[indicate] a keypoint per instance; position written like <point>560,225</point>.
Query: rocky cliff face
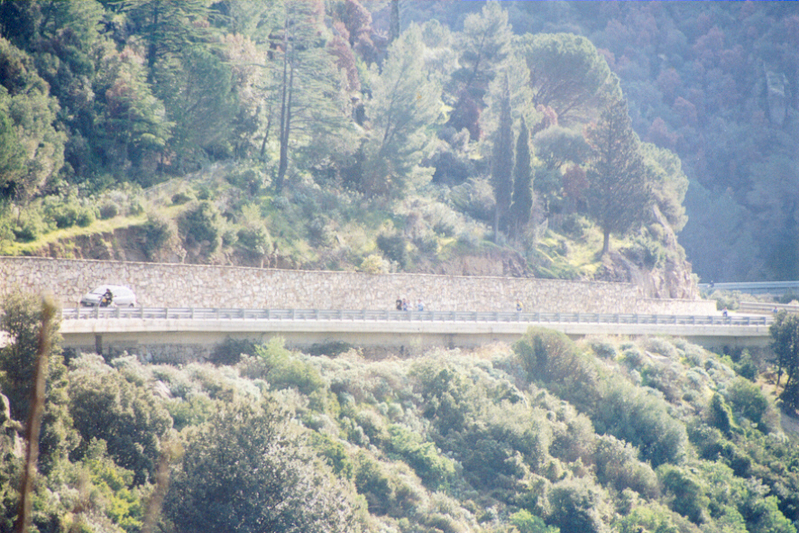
<point>673,280</point>
<point>667,277</point>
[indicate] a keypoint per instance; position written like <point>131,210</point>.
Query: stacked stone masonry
<point>181,285</point>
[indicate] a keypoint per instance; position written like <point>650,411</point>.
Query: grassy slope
<point>315,228</point>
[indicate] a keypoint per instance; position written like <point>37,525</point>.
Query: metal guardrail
<point>753,287</point>
<point>766,308</point>
<point>172,313</point>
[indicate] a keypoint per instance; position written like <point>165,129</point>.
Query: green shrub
<point>629,414</point>
<point>106,405</point>
<point>85,218</point>
<point>201,225</point>
<point>229,352</point>
<point>156,233</point>
<point>575,505</point>
<point>29,229</point>
<point>719,414</point>
<point>663,347</point>
<point>335,454</point>
<point>729,300</point>
<point>546,354</point>
<point>645,252</point>
<point>525,522</point>
<point>249,181</point>
<point>434,469</point>
<point>374,264</point>
<point>632,357</point>
<point>603,348</point>
<point>652,517</point>
<point>474,198</point>
<point>746,367</point>
<point>192,411</point>
<point>374,484</point>
<point>330,349</point>
<point>109,209</point>
<point>255,240</point>
<point>688,491</point>
<point>283,369</point>
<point>747,399</point>
<point>394,247</point>
<point>575,225</point>
<point>617,465</point>
<point>181,198</point>
<point>66,215</point>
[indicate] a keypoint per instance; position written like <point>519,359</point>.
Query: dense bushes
<point>492,440</point>
<point>105,404</point>
<point>247,470</point>
<point>200,226</point>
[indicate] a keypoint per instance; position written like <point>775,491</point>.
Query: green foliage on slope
<point>320,122</point>
<point>546,435</point>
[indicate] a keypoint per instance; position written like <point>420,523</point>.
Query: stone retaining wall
<point>181,285</point>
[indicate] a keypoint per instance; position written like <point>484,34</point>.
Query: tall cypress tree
<point>522,203</point>
<point>502,163</point>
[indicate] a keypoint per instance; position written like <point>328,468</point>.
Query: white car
<point>122,296</point>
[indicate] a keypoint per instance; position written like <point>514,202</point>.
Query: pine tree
<point>484,46</point>
<point>404,108</point>
<point>522,203</point>
<point>785,345</point>
<point>567,74</point>
<point>618,190</point>
<point>394,25</point>
<point>502,163</point>
<point>308,89</point>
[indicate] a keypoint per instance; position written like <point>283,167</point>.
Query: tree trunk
<point>266,135</point>
<point>33,427</point>
<point>281,172</point>
<point>394,24</point>
<point>605,241</point>
<point>284,137</point>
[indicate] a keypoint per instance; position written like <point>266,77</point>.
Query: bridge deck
<point>134,328</point>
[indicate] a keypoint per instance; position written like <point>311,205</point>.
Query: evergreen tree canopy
<point>502,163</point>
<point>567,74</point>
<point>522,204</point>
<point>618,190</point>
<point>404,108</point>
<point>246,471</point>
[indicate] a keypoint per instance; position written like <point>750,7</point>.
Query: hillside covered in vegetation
<point>546,435</point>
<point>329,135</point>
<point>406,132</point>
<point>554,139</point>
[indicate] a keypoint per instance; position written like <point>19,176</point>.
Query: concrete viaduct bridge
<point>183,334</point>
<point>209,303</point>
